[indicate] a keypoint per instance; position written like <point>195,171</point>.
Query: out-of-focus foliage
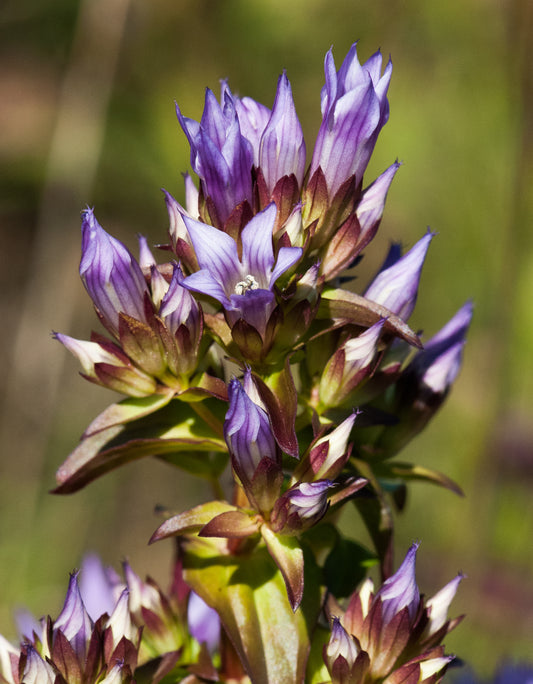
<point>87,92</point>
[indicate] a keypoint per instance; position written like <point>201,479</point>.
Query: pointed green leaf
<point>288,556</point>
<point>164,433</point>
<point>127,410</point>
<point>236,523</point>
<point>408,471</point>
<point>249,594</point>
<point>191,521</point>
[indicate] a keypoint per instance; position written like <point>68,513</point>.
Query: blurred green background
<point>87,117</point>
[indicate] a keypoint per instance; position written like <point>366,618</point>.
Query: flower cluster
<point>109,631</point>
<point>244,353</point>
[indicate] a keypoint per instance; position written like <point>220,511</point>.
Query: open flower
<point>244,286</point>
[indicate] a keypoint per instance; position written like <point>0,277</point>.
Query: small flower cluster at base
<point>393,635</point>
<point>139,623</point>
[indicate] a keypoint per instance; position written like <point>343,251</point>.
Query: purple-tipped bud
<point>438,364</point>
<point>396,287</point>
<point>438,605</point>
<point>340,645</point>
<point>354,110</point>
<point>120,621</point>
<point>88,353</point>
<point>203,621</point>
<point>301,507</point>
<point>372,203</point>
<point>349,365</point>
<point>328,455</point>
<point>74,621</point>
<point>220,154</point>
<point>401,590</point>
<point>282,146</point>
<point>179,307</point>
<point>248,434</point>
<point>111,275</point>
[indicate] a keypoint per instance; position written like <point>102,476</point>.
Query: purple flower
<point>372,203</point>
<point>74,621</point>
<point>220,155</point>
<point>100,587</point>
<point>243,286</point>
<point>340,645</point>
<point>349,365</point>
<point>438,364</point>
<point>248,434</point>
<point>203,621</point>
<point>301,507</point>
<point>111,275</point>
<point>282,146</point>
<point>396,286</point>
<point>354,109</point>
<point>401,590</point>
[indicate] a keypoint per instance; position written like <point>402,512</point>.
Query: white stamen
<point>249,283</point>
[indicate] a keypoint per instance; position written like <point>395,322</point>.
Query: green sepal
<point>288,556</point>
<point>248,592</point>
<point>165,433</point>
<point>339,304</point>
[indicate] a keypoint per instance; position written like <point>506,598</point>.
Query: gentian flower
<point>301,507</point>
<point>248,433</point>
<point>371,205</point>
<point>400,590</point>
<point>438,364</point>
<point>203,621</point>
<point>354,109</point>
<point>220,155</point>
<point>243,286</point>
<point>282,146</point>
<point>111,275</point>
<point>74,621</point>
<point>349,365</point>
<point>396,286</point>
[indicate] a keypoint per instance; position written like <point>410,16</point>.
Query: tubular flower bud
<point>340,645</point>
<point>74,621</point>
<point>438,364</point>
<point>400,591</point>
<point>111,275</point>
<point>371,205</point>
<point>249,437</point>
<point>220,154</point>
<point>328,455</point>
<point>282,146</point>
<point>349,366</point>
<point>354,110</point>
<point>396,286</point>
<point>301,507</point>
